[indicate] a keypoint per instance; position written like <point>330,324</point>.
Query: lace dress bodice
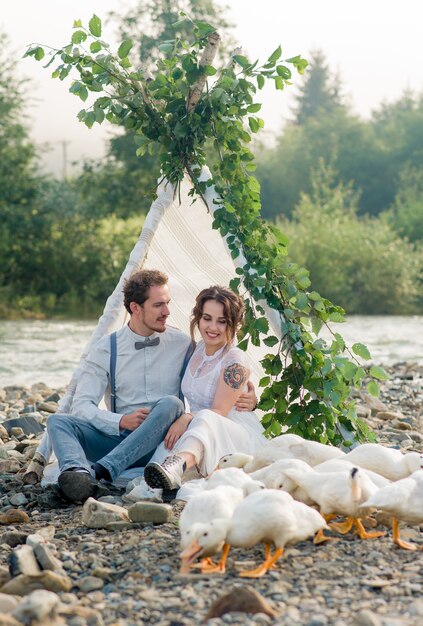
<point>202,374</point>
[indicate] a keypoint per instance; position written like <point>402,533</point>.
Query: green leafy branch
<point>188,105</point>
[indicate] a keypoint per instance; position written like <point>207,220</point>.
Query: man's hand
<point>247,401</point>
<point>176,431</point>
<point>133,420</point>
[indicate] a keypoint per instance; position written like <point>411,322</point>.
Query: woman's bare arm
<point>229,387</point>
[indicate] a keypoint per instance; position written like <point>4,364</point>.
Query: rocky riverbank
<point>128,574</point>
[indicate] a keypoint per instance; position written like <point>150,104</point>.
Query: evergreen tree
<point>319,91</point>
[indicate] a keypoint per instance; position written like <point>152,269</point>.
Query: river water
<point>47,351</point>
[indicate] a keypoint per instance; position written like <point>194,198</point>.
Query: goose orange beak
<point>189,555</point>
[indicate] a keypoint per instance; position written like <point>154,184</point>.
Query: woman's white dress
<point>239,431</point>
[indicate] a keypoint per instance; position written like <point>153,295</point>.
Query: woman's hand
<point>177,429</point>
<point>247,401</point>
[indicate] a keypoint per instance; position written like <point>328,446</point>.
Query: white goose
<point>270,517</point>
<point>208,505</point>
<point>339,493</point>
<point>404,501</point>
<point>342,465</point>
<point>234,477</point>
<point>283,447</point>
<point>388,462</point>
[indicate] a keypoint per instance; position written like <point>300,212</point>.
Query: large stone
<point>374,404</point>
<point>13,538</point>
<point>22,585</point>
<point>389,415</point>
<point>240,599</point>
<point>4,575</point>
<point>28,424</point>
<point>38,606</point>
<point>49,407</point>
<point>8,620</point>
<point>366,618</point>
<point>87,616</point>
<point>90,583</point>
<point>14,516</point>
<point>22,561</point>
<point>11,466</point>
<point>46,558</point>
<point>99,514</point>
<point>18,499</point>
<point>150,512</point>
<point>8,603</point>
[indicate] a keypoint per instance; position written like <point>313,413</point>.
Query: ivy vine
<point>188,105</point>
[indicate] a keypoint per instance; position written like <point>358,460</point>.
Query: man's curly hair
<point>137,286</point>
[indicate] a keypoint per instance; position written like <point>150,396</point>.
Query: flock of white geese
<point>290,490</point>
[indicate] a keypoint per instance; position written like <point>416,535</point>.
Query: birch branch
<point>207,58</point>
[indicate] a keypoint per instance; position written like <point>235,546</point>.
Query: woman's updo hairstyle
<point>233,309</point>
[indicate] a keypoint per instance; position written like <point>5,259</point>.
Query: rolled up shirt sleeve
<point>91,388</point>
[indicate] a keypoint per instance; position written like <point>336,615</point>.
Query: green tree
<point>152,26</point>
<point>319,92</point>
<point>406,214</point>
<point>361,263</point>
<point>20,225</point>
<point>340,139</point>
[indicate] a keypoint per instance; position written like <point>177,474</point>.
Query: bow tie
<point>139,345</point>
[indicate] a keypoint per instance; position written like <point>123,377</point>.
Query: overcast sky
<point>375,45</point>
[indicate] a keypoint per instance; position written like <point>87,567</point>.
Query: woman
<point>214,379</point>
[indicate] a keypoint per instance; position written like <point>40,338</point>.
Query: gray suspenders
<point>113,353</point>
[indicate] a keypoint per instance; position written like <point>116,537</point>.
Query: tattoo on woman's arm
<point>235,375</point>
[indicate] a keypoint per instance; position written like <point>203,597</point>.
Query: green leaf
<point>95,46</point>
<point>361,350</point>
<point>378,372</point>
<point>301,301</point>
<point>276,428</point>
<point>89,119</point>
<point>284,72</point>
<point>243,345</point>
<point>279,84</point>
<point>336,317</point>
<point>260,81</point>
<point>78,36</point>
<point>349,370</point>
<point>125,48</point>
<point>373,389</point>
<point>271,341</point>
<point>253,124</point>
<point>275,56</point>
<point>39,53</point>
<point>262,325</point>
<point>77,24</point>
<point>254,108</point>
<point>83,94</point>
<point>209,70</point>
<point>241,60</point>
<point>263,382</point>
<point>95,26</point>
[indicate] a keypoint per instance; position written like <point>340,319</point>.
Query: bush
<point>361,264</point>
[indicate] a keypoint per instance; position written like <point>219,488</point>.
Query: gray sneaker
<point>166,475</point>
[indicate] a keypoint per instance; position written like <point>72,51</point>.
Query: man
<point>94,444</point>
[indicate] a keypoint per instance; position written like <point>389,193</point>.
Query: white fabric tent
<point>177,238</point>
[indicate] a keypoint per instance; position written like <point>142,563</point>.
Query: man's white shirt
<point>142,376</point>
